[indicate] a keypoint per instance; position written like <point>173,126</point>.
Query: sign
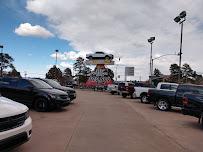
<point>96,62</point>
<point>129,71</point>
<point>100,76</point>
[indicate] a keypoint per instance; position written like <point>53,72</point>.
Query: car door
<point>180,93</point>
<point>25,92</point>
<point>8,88</point>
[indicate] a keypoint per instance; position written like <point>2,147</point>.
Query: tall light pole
<point>1,46</point>
<point>56,57</point>
<point>180,19</point>
<point>117,68</point>
<point>151,40</point>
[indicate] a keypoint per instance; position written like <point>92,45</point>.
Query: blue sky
<point>31,54</point>
<point>32,29</point>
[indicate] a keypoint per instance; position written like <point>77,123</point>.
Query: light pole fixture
<point>159,58</point>
<point>180,19</point>
<point>1,46</point>
<point>151,40</point>
<point>56,51</point>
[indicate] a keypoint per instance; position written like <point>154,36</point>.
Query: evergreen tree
<point>174,72</point>
<point>55,73</point>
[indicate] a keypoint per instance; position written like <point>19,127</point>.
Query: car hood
<point>54,91</point>
<point>65,88</point>
<point>10,108</point>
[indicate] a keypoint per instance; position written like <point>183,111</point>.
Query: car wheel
<point>124,95</point>
<point>163,105</point>
<point>112,93</point>
<point>107,58</point>
<point>201,120</point>
<point>41,105</point>
<point>144,99</point>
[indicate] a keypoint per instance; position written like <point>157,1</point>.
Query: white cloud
<point>71,55</point>
<point>123,27</point>
<point>66,65</point>
<point>26,29</point>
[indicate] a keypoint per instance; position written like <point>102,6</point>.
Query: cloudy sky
<point>32,29</point>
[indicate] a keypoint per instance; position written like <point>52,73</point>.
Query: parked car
<point>193,103</point>
<point>164,99</point>
<point>15,124</point>
<point>127,89</point>
<point>99,55</point>
<point>141,92</point>
<point>70,91</point>
<point>113,88</point>
<point>33,93</point>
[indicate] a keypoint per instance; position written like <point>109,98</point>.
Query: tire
<point>124,95</point>
<point>201,120</point>
<point>41,105</point>
<point>112,93</point>
<point>163,105</point>
<point>143,98</point>
<point>107,58</point>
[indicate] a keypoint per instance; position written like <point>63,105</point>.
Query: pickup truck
<point>164,99</point>
<point>193,104</point>
<point>112,88</point>
<point>127,89</point>
<point>142,91</point>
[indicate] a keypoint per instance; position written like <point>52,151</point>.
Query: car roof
<point>168,83</point>
<point>189,84</point>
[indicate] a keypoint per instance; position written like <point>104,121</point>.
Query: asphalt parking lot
<point>99,122</point>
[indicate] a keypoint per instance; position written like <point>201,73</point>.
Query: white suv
<point>15,124</point>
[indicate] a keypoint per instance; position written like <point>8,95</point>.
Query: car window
<point>23,84</point>
<point>197,89</point>
<point>52,83</point>
<point>9,82</point>
<point>40,84</point>
<point>131,84</point>
<point>186,89</point>
<point>165,86</point>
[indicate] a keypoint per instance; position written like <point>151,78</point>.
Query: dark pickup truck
<point>193,104</point>
<point>164,99</point>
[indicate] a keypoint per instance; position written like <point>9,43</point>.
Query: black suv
<point>33,93</point>
<point>71,92</point>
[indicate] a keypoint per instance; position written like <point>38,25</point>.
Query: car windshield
<point>40,84</point>
<point>197,89</point>
<point>52,83</point>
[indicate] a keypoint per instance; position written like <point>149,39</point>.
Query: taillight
<point>185,101</point>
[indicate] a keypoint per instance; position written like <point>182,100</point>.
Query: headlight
<point>53,96</point>
<point>56,97</point>
<point>27,114</point>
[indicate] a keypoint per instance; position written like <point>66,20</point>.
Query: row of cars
<point>19,94</point>
<point>188,97</point>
